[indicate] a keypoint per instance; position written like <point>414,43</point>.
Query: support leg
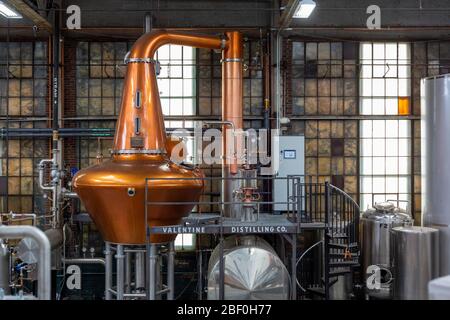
<point>171,271</point>
<point>120,258</point>
<point>108,270</point>
<point>152,272</point>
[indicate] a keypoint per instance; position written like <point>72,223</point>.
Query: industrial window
<point>23,93</point>
<point>177,88</point>
<point>385,138</point>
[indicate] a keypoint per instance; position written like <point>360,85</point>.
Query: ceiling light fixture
<point>8,12</point>
<point>304,9</point>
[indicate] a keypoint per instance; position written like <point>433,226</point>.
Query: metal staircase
<point>338,250</point>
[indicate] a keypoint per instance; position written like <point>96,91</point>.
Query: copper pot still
<point>113,191</point>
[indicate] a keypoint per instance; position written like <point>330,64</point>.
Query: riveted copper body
<point>113,191</point>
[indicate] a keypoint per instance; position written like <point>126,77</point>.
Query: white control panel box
<point>291,162</point>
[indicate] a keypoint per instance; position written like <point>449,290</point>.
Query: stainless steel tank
<point>253,271</point>
<point>377,223</point>
<point>435,97</point>
<point>415,261</point>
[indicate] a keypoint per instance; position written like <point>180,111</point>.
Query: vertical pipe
<point>232,64</point>
<point>108,271</point>
<point>221,270</point>
<point>148,22</point>
<point>120,272</point>
<point>152,272</point>
<point>55,80</point>
<point>127,272</point>
<point>200,274</point>
<point>294,267</point>
<point>140,270</point>
<point>171,271</point>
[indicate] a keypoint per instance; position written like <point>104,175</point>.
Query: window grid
<point>385,145</point>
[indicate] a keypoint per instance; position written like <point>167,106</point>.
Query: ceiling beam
<point>288,13</point>
<point>29,13</point>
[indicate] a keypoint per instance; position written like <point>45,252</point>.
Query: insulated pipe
<point>100,261</point>
<point>44,269</point>
<point>140,270</point>
<point>120,281</point>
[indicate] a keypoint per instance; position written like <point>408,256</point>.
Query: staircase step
<point>342,246</point>
<point>341,255</point>
<point>334,264</point>
<point>337,273</point>
<point>337,235</point>
<point>317,290</point>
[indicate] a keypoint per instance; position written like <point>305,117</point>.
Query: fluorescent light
<point>8,12</point>
<point>304,9</point>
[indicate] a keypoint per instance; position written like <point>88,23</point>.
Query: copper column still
<point>113,191</point>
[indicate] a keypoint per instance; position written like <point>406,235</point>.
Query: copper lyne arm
<point>146,45</point>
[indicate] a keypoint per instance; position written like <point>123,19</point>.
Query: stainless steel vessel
<point>377,223</point>
<point>435,96</point>
<point>415,261</point>
<point>253,271</point>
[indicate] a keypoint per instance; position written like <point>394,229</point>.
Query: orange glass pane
<point>403,106</point>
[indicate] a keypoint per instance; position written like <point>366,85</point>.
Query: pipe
<point>108,270</point>
<point>140,270</point>
<point>152,272</point>
<point>120,257</point>
<point>55,80</point>
<point>44,270</point>
<point>100,261</point>
<point>232,64</point>
<point>127,272</point>
<point>171,271</point>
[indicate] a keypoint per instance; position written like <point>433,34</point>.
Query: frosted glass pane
<point>379,128</point>
<point>188,53</point>
<point>366,185</point>
<point>176,87</point>
<point>404,147</point>
<point>403,51</point>
<point>379,147</point>
<point>175,52</point>
<point>391,51</point>
<point>379,166</point>
<point>378,185</point>
<point>163,53</point>
<point>391,165</point>
<point>366,87</point>
<point>366,71</point>
<point>391,147</point>
<point>391,87</point>
<point>404,69</point>
<point>175,71</point>
<point>165,106</point>
<point>392,106</point>
<point>403,88</point>
<point>366,50</point>
<point>366,127</point>
<point>391,69</point>
<point>403,185</point>
<point>366,165</point>
<point>366,147</point>
<point>379,69</point>
<point>403,165</point>
<point>378,106</point>
<point>188,88</point>
<point>176,107</point>
<point>377,198</point>
<point>366,202</point>
<point>164,87</point>
<point>391,184</point>
<point>403,130</point>
<point>391,128</point>
<point>378,51</point>
<point>378,88</point>
<point>366,106</point>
